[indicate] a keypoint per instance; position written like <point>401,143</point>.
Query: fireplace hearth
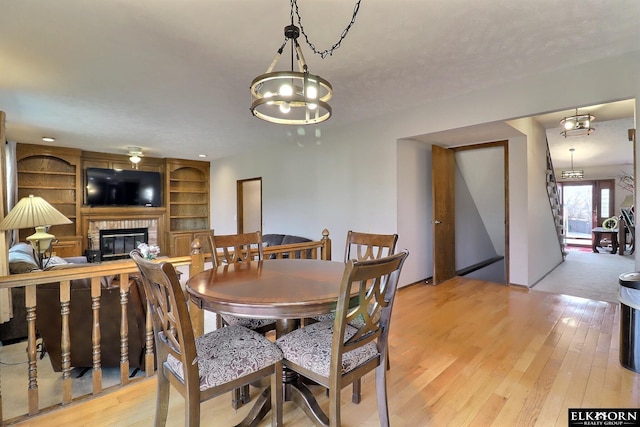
<point>117,243</point>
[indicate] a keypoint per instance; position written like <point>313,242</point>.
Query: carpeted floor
<point>588,275</point>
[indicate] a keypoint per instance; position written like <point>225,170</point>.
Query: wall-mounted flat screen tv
<point>111,187</point>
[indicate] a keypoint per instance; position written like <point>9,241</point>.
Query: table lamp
<point>35,212</point>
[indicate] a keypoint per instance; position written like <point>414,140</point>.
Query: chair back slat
<point>232,248</point>
<point>366,246</point>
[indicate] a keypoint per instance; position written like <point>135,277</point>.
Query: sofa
<point>49,319</point>
<point>283,239</point>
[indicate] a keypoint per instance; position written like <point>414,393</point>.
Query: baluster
<point>124,329</point>
<point>30,304</point>
<point>96,353</point>
<point>326,248</point>
<point>65,344</point>
<point>149,362</point>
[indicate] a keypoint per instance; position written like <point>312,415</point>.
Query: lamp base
<point>41,241</point>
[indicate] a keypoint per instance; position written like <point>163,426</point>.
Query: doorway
<point>249,194</point>
<point>471,220</point>
<point>586,205</point>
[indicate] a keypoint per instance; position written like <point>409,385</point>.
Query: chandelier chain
<point>327,52</point>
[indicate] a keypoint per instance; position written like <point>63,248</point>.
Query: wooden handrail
<point>94,272</point>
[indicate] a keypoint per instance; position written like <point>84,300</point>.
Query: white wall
<point>415,231</point>
<point>350,181</point>
<point>518,212</point>
<point>346,183</point>
<point>483,173</point>
<point>473,243</point>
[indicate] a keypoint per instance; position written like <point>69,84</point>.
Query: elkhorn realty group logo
<point>604,417</point>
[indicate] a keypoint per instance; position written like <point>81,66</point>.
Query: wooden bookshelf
<point>53,174</point>
<point>57,174</point>
<point>187,198</point>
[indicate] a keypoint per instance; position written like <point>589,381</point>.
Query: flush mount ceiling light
<point>572,174</point>
<point>294,97</point>
<point>577,125</point>
<point>135,154</point>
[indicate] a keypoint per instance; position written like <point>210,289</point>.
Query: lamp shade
<point>30,212</point>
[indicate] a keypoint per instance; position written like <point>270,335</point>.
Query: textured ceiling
<point>173,76</point>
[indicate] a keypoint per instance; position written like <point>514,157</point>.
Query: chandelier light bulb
<point>568,125</point>
<point>269,95</point>
<point>286,90</point>
<point>312,92</point>
<point>285,107</point>
<point>312,106</point>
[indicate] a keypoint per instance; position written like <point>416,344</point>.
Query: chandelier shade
<point>577,125</point>
<point>291,97</point>
<point>295,97</point>
<point>572,173</point>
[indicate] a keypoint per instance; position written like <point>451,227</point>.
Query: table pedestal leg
<point>302,396</point>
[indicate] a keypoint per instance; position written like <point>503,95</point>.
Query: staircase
<point>555,202</point>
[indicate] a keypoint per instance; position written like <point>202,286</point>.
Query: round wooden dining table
<point>283,289</point>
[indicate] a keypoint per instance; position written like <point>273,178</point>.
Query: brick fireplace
<point>95,227</point>
<point>99,219</point>
<point>118,243</point>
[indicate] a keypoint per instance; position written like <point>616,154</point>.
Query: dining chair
<point>336,353</point>
<point>231,248</point>
<point>207,366</point>
<point>363,247</point>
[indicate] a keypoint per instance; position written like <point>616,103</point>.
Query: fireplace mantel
<point>126,214</point>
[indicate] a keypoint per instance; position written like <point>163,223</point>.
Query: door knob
<point>437,222</point>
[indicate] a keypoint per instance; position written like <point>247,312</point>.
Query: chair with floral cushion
<point>363,247</point>
<point>337,353</point>
<point>207,366</point>
<point>228,249</point>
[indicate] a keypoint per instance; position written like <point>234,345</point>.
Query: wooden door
<point>443,200</point>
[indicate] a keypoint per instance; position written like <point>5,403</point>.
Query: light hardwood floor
<point>465,353</point>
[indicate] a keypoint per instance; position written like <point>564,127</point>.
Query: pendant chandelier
<point>572,174</point>
<point>294,97</point>
<point>577,125</point>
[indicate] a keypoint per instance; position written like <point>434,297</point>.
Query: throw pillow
<point>21,259</point>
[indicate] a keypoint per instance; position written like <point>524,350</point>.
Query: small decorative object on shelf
<point>149,251</point>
